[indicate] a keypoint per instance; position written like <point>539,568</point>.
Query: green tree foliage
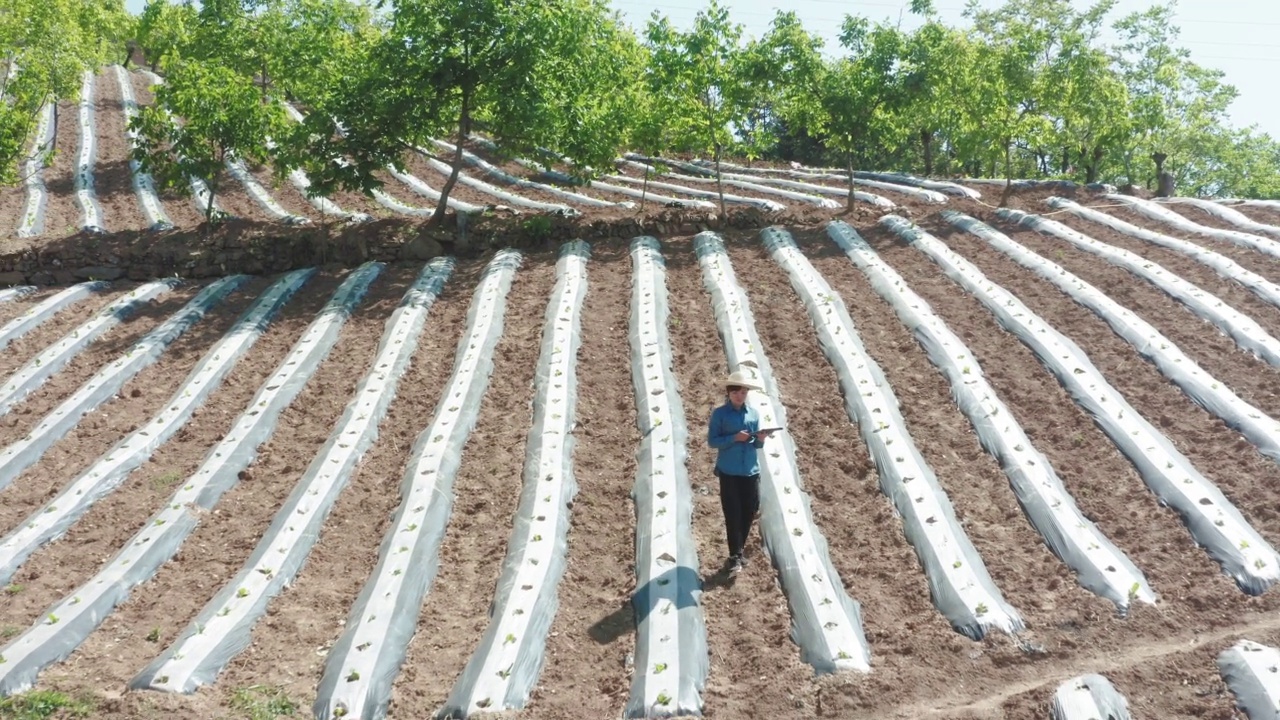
<point>164,28</point>
<point>534,76</point>
<point>204,115</point>
<point>46,45</point>
<point>698,79</point>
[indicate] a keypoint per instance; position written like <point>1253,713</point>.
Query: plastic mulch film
<point>143,184</point>
<point>505,666</point>
<point>763,204</point>
<point>23,453</point>
<point>362,665</point>
<point>747,182</point>
<point>222,629</point>
<point>1266,246</point>
<point>414,183</point>
<point>446,170</point>
<point>1222,212</point>
<point>1249,669</point>
<point>32,222</point>
<point>959,583</point>
<point>1089,697</point>
<point>1241,328</point>
<point>85,159</point>
<point>1212,520</point>
<point>671,662</point>
<point>826,623</point>
<point>472,159</point>
<point>81,611</point>
<point>51,521</point>
<point>16,292</point>
<point>879,201</point>
<point>56,356</point>
<point>46,309</point>
<point>948,188</point>
<point>1221,264</point>
<point>260,195</point>
<point>1273,204</point>
<point>1203,389</point>
<point>1099,565</point>
<point>1023,184</point>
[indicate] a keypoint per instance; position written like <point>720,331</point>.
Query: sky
<point>1239,37</point>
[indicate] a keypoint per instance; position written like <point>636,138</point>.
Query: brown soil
<point>1161,657</point>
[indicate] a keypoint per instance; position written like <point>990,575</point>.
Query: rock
<point>42,278</point>
<point>422,247</point>
<point>98,272</point>
<point>12,278</point>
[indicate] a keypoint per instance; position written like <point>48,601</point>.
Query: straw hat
<point>745,377</point>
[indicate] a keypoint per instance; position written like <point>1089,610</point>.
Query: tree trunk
<point>644,189</point>
<point>1066,161</point>
<point>848,161</point>
<point>926,143</point>
<point>1091,170</point>
<point>1164,180</point>
<point>719,183</point>
<point>464,129</point>
<point>1008,172</point>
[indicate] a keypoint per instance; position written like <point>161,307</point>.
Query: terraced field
<point>1029,465</point>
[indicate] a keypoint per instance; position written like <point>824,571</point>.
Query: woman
<point>734,431</point>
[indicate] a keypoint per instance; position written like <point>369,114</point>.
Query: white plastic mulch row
<point>1221,264</point>
<point>866,197</point>
<point>1222,212</point>
<point>1089,697</point>
<point>1241,328</point>
<point>363,663</point>
<point>1204,389</point>
<point>1273,204</point>
<point>200,195</point>
<point>960,586</point>
<point>768,205</point>
<point>825,622</point>
<point>1099,565</point>
<point>82,610</point>
<point>949,188</point>
<point>56,356</point>
<point>52,520</point>
<point>755,182</point>
<point>21,454</point>
<point>497,172</point>
<point>746,182</point>
<point>86,158</point>
<point>671,661</point>
<point>10,294</point>
<point>143,184</point>
<point>32,222</point>
<point>1252,672</point>
<point>416,184</point>
<point>763,204</point>
<point>1213,521</point>
<point>50,306</point>
<point>1267,246</point>
<point>260,195</point>
<point>517,200</point>
<point>221,630</point>
<point>505,666</point>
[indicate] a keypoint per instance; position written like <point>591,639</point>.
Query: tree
<point>696,78</point>
<point>163,28</point>
<point>534,75</point>
<point>1176,103</point>
<point>204,115</point>
<point>45,46</point>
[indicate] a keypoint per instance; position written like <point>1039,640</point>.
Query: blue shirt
<point>734,458</point>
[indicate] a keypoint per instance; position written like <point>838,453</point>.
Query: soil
<point>1160,657</point>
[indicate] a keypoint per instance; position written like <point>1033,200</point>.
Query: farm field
<point>446,394</point>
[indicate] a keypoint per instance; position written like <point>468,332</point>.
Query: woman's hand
<point>742,436</point>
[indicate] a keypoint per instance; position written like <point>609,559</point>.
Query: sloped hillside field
<point>1029,468</point>
<point>987,501</point>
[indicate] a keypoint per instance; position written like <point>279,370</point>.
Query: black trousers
<point>740,500</point>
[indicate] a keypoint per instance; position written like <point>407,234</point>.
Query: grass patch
<point>262,702</point>
<point>160,483</point>
<point>41,704</point>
